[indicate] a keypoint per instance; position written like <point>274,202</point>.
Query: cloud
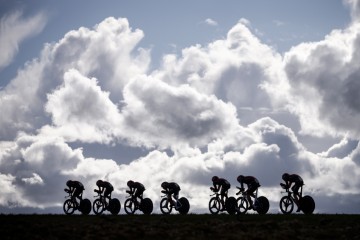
<point>323,83</point>
<point>235,69</point>
<point>81,111</point>
<point>108,52</point>
<point>210,106</point>
<point>14,29</point>
<point>354,8</point>
<point>211,22</point>
<point>181,114</point>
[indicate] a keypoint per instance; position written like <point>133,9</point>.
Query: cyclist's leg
<point>176,196</point>
<point>250,193</point>
<point>137,195</point>
<point>223,194</point>
<point>296,197</point>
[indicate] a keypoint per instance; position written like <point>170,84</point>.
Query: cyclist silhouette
<point>297,181</point>
<point>171,188</point>
<point>76,189</point>
<point>136,188</point>
<point>252,184</point>
<point>223,185</point>
<point>104,187</point>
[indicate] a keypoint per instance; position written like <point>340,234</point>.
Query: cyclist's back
<point>223,183</point>
<point>75,188</point>
<point>295,179</point>
<point>76,185</point>
<point>173,187</point>
<point>138,186</point>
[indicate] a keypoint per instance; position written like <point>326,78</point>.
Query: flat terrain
<point>192,226</point>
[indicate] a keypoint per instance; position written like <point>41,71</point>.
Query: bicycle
<point>215,205</point>
<point>261,204</point>
<point>100,204</point>
<point>132,204</point>
<point>71,204</point>
<point>306,203</point>
<point>181,205</point>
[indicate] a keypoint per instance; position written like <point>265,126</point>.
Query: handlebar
<point>214,194</point>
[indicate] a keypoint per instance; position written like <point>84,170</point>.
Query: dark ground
<point>202,226</point>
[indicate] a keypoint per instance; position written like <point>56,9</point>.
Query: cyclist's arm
<point>241,185</point>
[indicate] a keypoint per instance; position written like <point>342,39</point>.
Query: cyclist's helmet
<point>164,184</point>
<point>285,176</point>
<point>68,183</point>
<point>130,183</point>
<point>240,178</point>
<point>215,178</point>
<point>99,182</point>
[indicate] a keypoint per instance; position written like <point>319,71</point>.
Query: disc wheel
<point>262,205</point>
<point>85,206</point>
<point>184,206</point>
<point>114,206</point>
<point>230,205</point>
<point>146,206</point>
<point>307,204</point>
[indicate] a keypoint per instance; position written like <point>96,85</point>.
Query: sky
<point>180,91</point>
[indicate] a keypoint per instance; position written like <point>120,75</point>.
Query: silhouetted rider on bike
<point>76,189</point>
<point>298,183</point>
<point>252,184</point>
<point>171,188</point>
<point>223,185</point>
<point>136,188</point>
<point>104,187</point>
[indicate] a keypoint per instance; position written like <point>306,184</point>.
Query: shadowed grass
<point>192,226</point>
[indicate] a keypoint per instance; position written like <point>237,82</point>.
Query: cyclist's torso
<point>138,186</point>
<point>296,179</point>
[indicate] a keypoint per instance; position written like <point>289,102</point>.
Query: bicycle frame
<point>103,199</point>
<point>177,202</point>
<point>291,194</point>
<point>218,197</point>
<point>73,199</point>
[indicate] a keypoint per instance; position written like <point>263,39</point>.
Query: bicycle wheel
<point>307,204</point>
<point>214,205</point>
<point>114,206</point>
<point>165,206</point>
<point>230,205</point>
<point>262,205</point>
<point>98,206</point>
<point>68,207</point>
<point>129,206</point>
<point>146,206</point>
<point>85,206</point>
<point>242,205</point>
<point>185,206</point>
<point>286,205</point>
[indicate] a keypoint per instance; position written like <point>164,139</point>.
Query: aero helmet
<point>164,184</point>
<point>130,183</point>
<point>215,178</point>
<point>68,183</point>
<point>285,176</point>
<point>240,178</point>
